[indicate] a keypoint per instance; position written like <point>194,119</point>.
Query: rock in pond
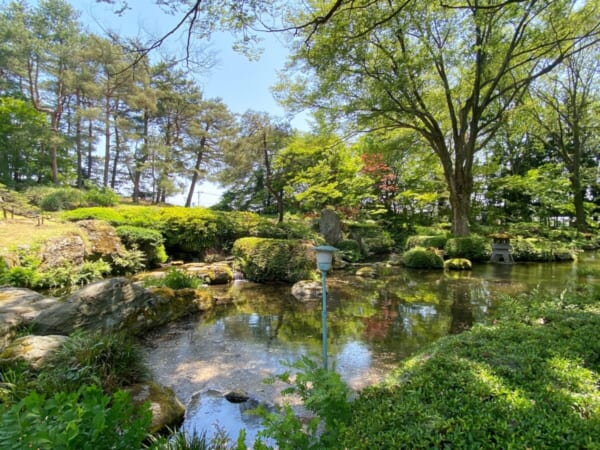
<point>307,290</point>
<point>167,410</point>
<point>458,264</point>
<point>366,272</point>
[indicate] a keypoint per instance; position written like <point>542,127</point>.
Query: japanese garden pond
<point>373,324</point>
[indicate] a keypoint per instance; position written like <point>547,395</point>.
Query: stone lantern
<point>501,249</point>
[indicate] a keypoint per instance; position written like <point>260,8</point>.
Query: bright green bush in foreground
<point>79,420</point>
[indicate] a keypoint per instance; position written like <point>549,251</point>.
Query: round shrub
<point>426,241</point>
<point>263,259</point>
<point>458,264</point>
<point>103,196</point>
<point>150,242</point>
<point>422,258</point>
<point>475,248</point>
<point>62,198</point>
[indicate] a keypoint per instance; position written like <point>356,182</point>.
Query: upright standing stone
<point>330,226</point>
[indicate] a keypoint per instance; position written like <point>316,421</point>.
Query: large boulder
<point>167,410</point>
<point>330,226</point>
<point>215,273</point>
<point>61,250</point>
<point>118,304</point>
<point>102,237</point>
<point>18,308</point>
<point>33,350</point>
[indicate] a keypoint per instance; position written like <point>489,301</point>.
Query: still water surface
<point>372,325</point>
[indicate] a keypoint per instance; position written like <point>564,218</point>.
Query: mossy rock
<point>265,260</point>
<point>422,258</point>
<point>458,264</point>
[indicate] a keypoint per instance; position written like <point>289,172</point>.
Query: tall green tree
<point>38,44</point>
<point>448,70</point>
<point>207,132</point>
<point>565,106</point>
<point>249,160</point>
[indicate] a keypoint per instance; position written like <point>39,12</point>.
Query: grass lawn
<point>25,231</point>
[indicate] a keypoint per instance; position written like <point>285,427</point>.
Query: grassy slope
<point>23,231</point>
<point>531,380</point>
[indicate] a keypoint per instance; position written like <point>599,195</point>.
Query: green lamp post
<point>324,259</point>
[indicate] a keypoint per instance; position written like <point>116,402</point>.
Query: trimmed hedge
<point>264,259</point>
<point>422,258</point>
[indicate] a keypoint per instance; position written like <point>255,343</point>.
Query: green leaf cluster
<point>150,242</point>
<point>86,418</point>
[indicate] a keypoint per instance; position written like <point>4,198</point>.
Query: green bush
<point>111,361</point>
<point>263,259</point>
<point>537,250</point>
<point>103,196</point>
<point>426,241</point>
<point>350,250</point>
<point>474,248</point>
<point>323,393</point>
<point>62,199</point>
<point>83,419</point>
<point>422,258</point>
<point>150,242</point>
<point>24,277</point>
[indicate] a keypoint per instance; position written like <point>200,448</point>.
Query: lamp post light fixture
<point>324,258</point>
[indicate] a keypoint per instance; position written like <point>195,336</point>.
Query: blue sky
<point>242,84</point>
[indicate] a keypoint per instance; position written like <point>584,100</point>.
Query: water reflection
<point>372,325</point>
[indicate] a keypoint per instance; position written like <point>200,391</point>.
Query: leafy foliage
<point>322,392</point>
<point>150,242</point>
<point>86,418</point>
<point>426,241</point>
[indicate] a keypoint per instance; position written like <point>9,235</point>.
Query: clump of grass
<point>175,279</point>
<point>111,361</point>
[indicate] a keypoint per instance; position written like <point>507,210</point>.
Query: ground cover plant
<point>528,380</point>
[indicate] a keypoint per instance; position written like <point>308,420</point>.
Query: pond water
<point>373,324</point>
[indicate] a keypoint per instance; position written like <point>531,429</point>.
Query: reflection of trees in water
<point>461,311</point>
